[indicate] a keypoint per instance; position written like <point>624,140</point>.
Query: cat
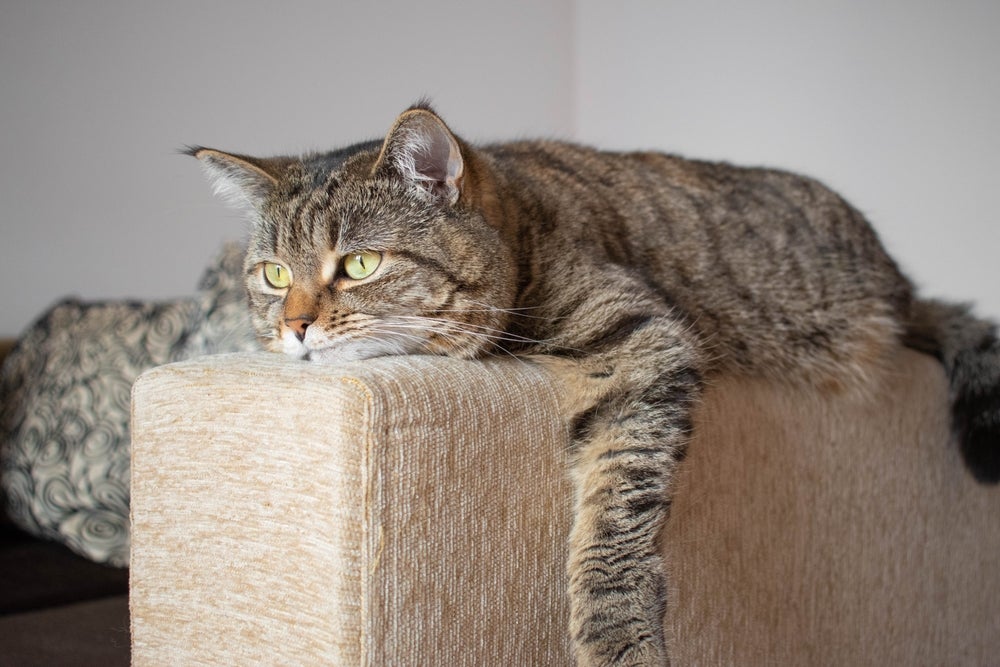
<point>635,277</point>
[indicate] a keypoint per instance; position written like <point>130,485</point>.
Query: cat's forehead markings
<point>329,268</point>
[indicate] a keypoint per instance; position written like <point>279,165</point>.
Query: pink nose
<point>299,325</point>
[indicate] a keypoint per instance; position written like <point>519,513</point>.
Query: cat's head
<point>381,248</point>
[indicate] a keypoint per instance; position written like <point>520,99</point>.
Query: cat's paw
<point>643,654</point>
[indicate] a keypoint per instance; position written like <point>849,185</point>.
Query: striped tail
<point>970,352</point>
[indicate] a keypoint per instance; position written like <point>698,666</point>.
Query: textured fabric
<point>333,515</point>
<point>414,511</point>
<point>64,403</point>
<point>833,531</point>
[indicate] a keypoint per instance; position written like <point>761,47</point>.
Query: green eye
<point>276,275</point>
<point>362,264</point>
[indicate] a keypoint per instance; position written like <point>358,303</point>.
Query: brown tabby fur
<point>633,276</point>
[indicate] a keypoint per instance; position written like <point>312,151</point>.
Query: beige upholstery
<point>413,511</point>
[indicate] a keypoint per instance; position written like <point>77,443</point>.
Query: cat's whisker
<point>469,326</point>
<point>396,333</point>
<point>450,332</point>
<point>499,334</point>
<point>487,334</point>
<point>457,333</point>
<point>449,329</point>
<point>488,308</point>
<point>393,330</point>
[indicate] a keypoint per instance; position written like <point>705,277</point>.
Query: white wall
<point>896,104</point>
<point>96,98</point>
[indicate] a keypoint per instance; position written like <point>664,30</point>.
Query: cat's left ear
<point>422,150</point>
<point>239,179</point>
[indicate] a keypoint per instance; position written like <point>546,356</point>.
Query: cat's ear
<point>422,150</point>
<point>242,181</point>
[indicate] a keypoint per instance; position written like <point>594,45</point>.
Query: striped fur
<point>633,276</point>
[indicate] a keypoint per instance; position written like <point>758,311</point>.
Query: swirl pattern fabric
<point>65,402</point>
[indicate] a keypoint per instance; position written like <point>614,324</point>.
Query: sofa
<point>414,510</point>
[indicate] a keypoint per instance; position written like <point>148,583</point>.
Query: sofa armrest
<point>414,511</point>
<point>292,513</point>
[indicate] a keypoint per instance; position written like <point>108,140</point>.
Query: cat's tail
<point>970,352</point>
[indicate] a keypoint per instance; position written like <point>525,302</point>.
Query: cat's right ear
<point>242,181</point>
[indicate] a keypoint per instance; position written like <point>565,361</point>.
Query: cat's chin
<point>337,355</point>
<point>351,351</point>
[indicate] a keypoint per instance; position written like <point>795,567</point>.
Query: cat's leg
<point>632,422</point>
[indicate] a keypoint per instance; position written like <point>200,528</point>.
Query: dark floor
<point>57,608</point>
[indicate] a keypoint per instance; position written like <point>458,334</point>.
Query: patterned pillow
<point>65,401</point>
<point>222,323</point>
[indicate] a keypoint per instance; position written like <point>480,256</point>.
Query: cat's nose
<point>299,325</point>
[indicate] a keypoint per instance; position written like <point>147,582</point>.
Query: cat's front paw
<point>643,654</point>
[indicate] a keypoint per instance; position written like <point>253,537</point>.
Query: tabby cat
<point>634,276</point>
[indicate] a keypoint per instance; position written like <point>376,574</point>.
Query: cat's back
<point>744,251</point>
<point>671,187</point>
<point>660,202</point>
